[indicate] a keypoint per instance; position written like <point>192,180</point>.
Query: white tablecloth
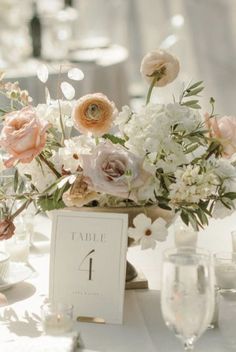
<point>143,328</point>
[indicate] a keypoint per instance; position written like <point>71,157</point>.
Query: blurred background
<point>107,39</point>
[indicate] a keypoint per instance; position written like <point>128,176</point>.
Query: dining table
<point>105,71</point>
<point>143,328</point>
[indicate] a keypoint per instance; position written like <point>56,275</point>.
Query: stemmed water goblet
<point>187,293</point>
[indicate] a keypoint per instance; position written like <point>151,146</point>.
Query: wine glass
<point>187,293</point>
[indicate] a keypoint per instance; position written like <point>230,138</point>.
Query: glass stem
<point>188,346</point>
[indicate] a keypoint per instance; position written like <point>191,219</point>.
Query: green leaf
<point>193,92</point>
<point>16,180</point>
<point>190,148</point>
<point>231,195</point>
<point>114,139</point>
<point>184,217</point>
<point>62,190</point>
<point>190,102</point>
<point>193,221</point>
<point>48,203</point>
<point>164,206</point>
<point>195,85</point>
<point>195,106</point>
<point>202,216</point>
<point>228,203</point>
<point>21,187</point>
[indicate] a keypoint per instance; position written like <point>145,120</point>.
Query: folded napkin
<point>43,343</point>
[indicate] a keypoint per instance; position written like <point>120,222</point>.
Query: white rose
<point>162,62</point>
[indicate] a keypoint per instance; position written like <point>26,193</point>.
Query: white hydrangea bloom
<point>197,153</point>
<point>149,189</point>
<point>123,117</point>
<point>51,112</point>
<point>187,119</point>
<point>220,211</point>
<point>150,131</point>
<point>41,176</point>
<point>192,186</point>
<point>227,172</point>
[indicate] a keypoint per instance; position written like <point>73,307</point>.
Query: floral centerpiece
<point>165,155</point>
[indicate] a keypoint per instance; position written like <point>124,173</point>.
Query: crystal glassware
<point>227,317</point>
<point>57,33</point>
<point>233,236</point>
<point>225,270</point>
<point>187,293</point>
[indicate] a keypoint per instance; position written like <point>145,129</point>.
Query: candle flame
<point>58,318</point>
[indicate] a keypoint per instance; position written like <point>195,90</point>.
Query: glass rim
<point>221,255</point>
<point>4,256</point>
<point>196,251</point>
<point>56,306</point>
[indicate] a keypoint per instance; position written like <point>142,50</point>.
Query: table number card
<point>88,263</point>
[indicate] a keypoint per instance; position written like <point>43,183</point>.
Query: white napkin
<point>43,343</point>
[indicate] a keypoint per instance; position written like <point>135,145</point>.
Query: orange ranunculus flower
<point>94,113</point>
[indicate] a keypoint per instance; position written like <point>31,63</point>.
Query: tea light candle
<point>225,275</point>
<point>185,236</point>
<point>57,318</point>
<point>17,250</point>
<point>233,236</point>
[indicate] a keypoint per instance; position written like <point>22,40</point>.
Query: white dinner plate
<point>18,272</point>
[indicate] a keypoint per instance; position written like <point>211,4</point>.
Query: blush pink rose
<point>224,130</point>
<point>114,170</point>
<point>23,135</point>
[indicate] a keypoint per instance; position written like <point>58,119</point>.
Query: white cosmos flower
<point>147,233</point>
<point>67,158</point>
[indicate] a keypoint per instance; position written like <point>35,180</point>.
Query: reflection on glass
<point>57,31</point>
<point>187,293</point>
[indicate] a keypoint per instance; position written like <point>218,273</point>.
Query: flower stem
<point>50,166</point>
<point>188,346</point>
<point>61,124</point>
<point>96,140</point>
<point>155,79</point>
<point>19,210</point>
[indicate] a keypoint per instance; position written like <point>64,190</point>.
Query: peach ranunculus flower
<point>224,130</point>
<point>94,113</point>
<point>7,229</point>
<point>80,193</point>
<point>161,64</point>
<point>23,135</point>
<point>114,170</point>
